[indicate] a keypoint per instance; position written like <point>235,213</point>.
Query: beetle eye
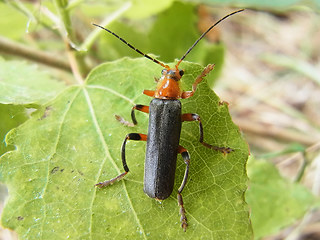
<point>181,72</point>
<point>164,71</point>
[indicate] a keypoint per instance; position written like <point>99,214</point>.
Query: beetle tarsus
<point>111,181</point>
<point>186,158</point>
<point>224,150</point>
<point>183,219</point>
<point>123,121</point>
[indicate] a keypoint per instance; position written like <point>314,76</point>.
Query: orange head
<point>169,86</point>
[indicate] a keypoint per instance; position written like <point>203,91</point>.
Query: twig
<point>77,64</point>
<point>18,49</point>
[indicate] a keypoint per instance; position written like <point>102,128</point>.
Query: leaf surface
<point>12,24</point>
<point>11,117</point>
<point>21,83</point>
<point>74,142</point>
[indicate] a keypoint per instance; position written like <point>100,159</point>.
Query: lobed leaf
<point>74,142</point>
<point>275,202</point>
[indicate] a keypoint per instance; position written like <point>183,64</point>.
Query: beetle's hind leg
<point>186,158</point>
<point>139,107</point>
<point>130,136</point>
<point>196,117</point>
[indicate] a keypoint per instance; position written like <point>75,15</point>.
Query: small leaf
<point>174,32</point>
<point>139,9</point>
<point>13,23</point>
<point>275,202</point>
<point>145,8</point>
<point>62,152</point>
<point>21,83</point>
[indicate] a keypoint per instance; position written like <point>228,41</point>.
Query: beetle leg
<point>149,93</point>
<point>130,136</point>
<point>138,107</point>
<point>196,117</point>
<point>205,71</point>
<point>186,158</point>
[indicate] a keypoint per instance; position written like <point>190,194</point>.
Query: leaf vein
<point>108,156</point>
<point>53,153</point>
<point>112,91</point>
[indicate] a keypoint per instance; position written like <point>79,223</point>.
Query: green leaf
<point>275,202</point>
<point>61,154</point>
<point>13,24</point>
<point>22,83</point>
<point>11,117</point>
<point>174,32</point>
<point>22,86</point>
<point>146,8</point>
<point>139,9</point>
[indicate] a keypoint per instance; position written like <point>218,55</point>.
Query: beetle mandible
<point>164,129</point>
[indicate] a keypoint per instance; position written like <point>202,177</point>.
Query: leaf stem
<point>76,59</point>
<point>302,168</point>
<point>61,6</point>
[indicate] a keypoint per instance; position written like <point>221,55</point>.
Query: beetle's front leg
<point>196,117</point>
<point>130,136</point>
<point>139,107</point>
<point>205,71</point>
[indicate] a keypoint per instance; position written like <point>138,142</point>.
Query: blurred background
<point>267,68</point>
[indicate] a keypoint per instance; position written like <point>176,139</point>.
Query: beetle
<point>165,120</point>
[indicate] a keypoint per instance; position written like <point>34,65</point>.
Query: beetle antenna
<point>132,47</point>
<point>203,34</point>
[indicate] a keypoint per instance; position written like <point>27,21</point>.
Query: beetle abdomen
<point>162,147</point>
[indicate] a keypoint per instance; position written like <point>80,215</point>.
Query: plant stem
<point>65,17</point>
<point>18,49</point>
<point>76,59</point>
